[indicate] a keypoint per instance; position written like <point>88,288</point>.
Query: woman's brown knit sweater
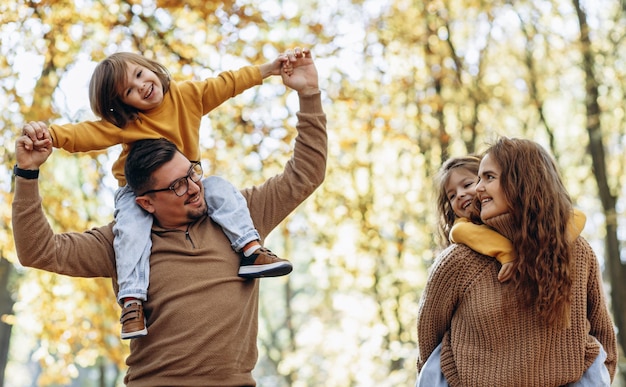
<point>487,340</point>
<point>202,317</point>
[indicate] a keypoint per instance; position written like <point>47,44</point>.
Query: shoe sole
<point>272,270</point>
<point>132,335</point>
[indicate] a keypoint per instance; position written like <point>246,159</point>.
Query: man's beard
<point>197,213</point>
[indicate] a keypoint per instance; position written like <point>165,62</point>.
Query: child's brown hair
<point>105,86</point>
<point>445,213</point>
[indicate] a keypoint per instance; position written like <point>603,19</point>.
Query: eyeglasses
<point>181,186</point>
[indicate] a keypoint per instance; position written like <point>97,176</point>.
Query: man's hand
<point>34,146</point>
<point>299,73</point>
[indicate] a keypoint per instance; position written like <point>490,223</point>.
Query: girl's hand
<point>34,146</point>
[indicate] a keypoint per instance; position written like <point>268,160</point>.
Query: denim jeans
<point>431,375</point>
<point>229,209</point>
<point>597,375</point>
<point>132,230</point>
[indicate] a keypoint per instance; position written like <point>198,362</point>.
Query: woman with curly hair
<point>455,184</point>
<point>549,325</point>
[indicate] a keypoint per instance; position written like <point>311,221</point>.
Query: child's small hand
<point>36,131</point>
<point>274,67</point>
<point>287,68</point>
<point>506,272</point>
<point>33,146</point>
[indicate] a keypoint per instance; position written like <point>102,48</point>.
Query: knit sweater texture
<point>177,118</point>
<point>202,317</point>
<point>488,340</point>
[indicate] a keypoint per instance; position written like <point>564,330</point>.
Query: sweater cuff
<point>311,102</point>
<point>26,190</point>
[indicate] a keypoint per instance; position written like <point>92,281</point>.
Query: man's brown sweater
<point>487,340</point>
<point>202,318</point>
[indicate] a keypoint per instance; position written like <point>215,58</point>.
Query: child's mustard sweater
<point>177,119</point>
<point>485,240</point>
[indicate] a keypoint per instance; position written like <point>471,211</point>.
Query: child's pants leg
<point>132,245</point>
<point>597,374</point>
<point>431,375</point>
<point>229,209</point>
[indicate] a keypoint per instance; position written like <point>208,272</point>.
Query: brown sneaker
<point>133,320</point>
<point>264,263</point>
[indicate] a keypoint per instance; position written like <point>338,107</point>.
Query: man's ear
<point>145,202</point>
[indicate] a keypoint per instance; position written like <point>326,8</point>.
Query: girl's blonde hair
<point>105,86</point>
<point>540,208</point>
<point>445,213</point>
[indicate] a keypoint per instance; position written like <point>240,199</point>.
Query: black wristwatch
<point>26,173</point>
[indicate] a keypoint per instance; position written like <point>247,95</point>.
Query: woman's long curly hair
<point>445,213</point>
<point>107,81</point>
<point>541,208</point>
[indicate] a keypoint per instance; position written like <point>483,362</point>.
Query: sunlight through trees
<point>406,85</point>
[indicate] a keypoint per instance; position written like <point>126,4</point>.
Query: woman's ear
<point>145,202</point>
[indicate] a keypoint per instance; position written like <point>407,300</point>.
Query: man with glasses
<point>205,315</point>
<point>181,186</point>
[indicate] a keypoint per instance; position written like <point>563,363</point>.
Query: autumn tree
<point>605,163</point>
<point>406,85</point>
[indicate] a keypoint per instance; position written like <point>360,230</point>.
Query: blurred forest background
<point>406,84</point>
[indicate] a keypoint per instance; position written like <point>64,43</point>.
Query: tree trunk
<point>6,309</point>
<point>596,149</point>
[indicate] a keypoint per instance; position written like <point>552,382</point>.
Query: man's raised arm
<point>88,254</point>
<point>275,199</point>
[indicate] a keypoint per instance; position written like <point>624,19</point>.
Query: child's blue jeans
<point>597,375</point>
<point>132,230</point>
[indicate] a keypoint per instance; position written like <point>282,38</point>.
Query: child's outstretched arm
<point>482,239</point>
<point>486,241</point>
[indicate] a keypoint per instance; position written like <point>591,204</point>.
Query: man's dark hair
<point>145,157</point>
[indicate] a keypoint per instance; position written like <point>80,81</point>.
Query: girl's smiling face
<point>489,191</point>
<point>142,90</point>
<point>460,191</point>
